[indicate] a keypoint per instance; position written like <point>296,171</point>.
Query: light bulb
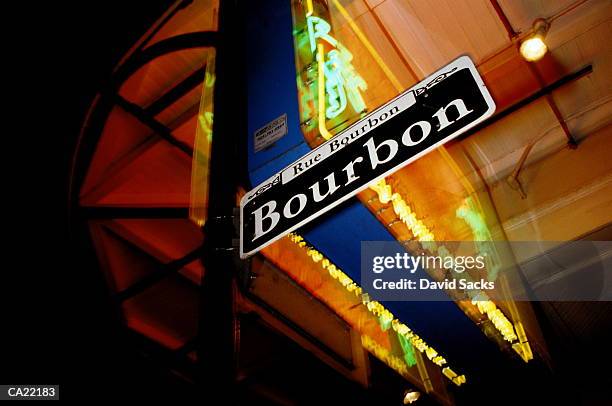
<point>533,49</point>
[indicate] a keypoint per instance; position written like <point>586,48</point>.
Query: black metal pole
<point>218,328</point>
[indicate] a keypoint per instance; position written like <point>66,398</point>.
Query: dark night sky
<point>58,326</point>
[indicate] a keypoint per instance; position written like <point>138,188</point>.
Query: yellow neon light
<point>375,307</point>
<point>309,8</point>
<point>522,348</point>
<point>498,319</point>
<point>421,232</point>
<point>321,64</point>
<point>423,372</point>
<point>509,331</point>
<point>450,374</point>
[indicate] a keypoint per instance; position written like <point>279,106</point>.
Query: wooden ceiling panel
<point>568,194</point>
<point>354,8</point>
<point>496,149</point>
<point>430,34</point>
<point>380,88</point>
<point>509,78</point>
<point>522,13</point>
<point>587,103</point>
<point>373,3</point>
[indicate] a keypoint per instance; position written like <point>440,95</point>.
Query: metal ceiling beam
<point>529,99</point>
<point>180,90</point>
<point>504,20</point>
<point>159,128</point>
<point>393,43</point>
<point>553,105</point>
<point>512,35</point>
<point>159,274</point>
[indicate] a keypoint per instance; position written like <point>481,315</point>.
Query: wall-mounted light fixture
<point>534,47</point>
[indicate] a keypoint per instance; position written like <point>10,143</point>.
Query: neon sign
<point>342,85</point>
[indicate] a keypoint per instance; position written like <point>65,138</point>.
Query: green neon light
<point>319,28</point>
<point>408,349</point>
<point>343,85</point>
<point>482,235</point>
<point>334,85</point>
<point>385,322</point>
<point>353,83</point>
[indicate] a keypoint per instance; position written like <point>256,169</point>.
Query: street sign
<point>422,118</point>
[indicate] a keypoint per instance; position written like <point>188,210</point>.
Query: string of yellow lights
<point>383,354</point>
<point>377,309</point>
<point>402,210</point>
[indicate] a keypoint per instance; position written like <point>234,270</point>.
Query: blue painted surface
<point>272,88</point>
<point>272,91</point>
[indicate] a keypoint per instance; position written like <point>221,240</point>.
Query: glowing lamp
<point>534,47</point>
<point>411,396</point>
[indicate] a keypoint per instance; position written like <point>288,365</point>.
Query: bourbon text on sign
<point>439,108</point>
